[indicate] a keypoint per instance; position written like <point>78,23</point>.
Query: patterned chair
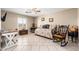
<point>59,34</point>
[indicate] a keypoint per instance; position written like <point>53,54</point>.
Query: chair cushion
<point>59,36</point>
<point>46,26</point>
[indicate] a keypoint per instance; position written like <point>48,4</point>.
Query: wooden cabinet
<point>23,32</point>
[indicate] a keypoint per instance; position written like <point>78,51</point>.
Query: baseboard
<point>43,36</point>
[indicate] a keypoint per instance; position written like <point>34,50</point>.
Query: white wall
<point>78,25</point>
<point>11,20</point>
<point>35,21</point>
<point>0,28</point>
<point>65,17</point>
<point>78,17</point>
<point>0,19</point>
<point>29,22</point>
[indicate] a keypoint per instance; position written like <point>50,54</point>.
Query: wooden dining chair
<point>60,35</point>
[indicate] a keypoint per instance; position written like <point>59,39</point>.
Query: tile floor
<point>32,42</point>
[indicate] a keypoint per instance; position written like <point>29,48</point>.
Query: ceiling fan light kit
<point>33,10</point>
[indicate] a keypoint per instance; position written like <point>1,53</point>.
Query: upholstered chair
<point>73,32</point>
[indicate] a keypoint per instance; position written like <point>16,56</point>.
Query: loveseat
<point>44,31</point>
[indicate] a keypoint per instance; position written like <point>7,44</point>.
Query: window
<point>21,23</point>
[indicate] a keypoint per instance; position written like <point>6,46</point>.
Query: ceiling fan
<point>33,10</point>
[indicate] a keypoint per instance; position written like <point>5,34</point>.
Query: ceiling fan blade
<point>28,12</point>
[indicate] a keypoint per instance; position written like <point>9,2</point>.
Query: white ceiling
<point>44,11</point>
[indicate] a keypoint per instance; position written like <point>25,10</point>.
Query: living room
<point>28,24</point>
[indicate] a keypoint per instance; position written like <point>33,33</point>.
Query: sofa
<point>44,31</point>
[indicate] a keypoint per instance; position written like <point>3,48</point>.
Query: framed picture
<point>51,19</point>
<point>43,19</point>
